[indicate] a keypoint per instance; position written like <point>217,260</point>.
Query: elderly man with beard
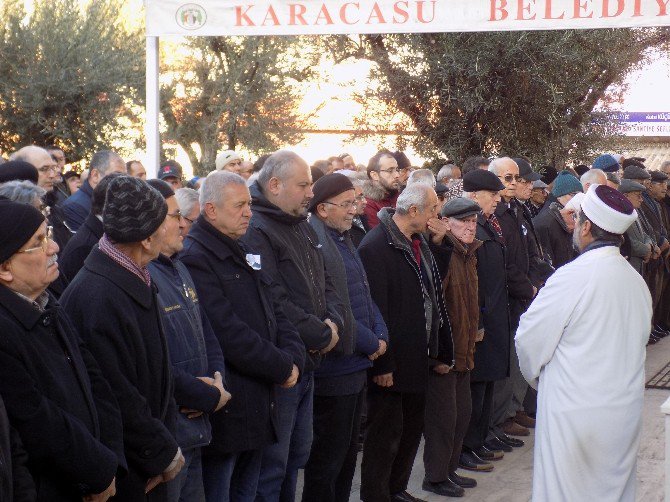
<point>54,392</point>
<point>291,255</point>
<point>383,186</point>
<point>339,383</point>
<point>448,400</point>
<point>582,341</point>
<point>405,284</point>
<point>195,354</point>
<point>492,352</point>
<point>127,336</point>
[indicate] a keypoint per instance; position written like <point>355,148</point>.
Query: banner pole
<point>151,131</point>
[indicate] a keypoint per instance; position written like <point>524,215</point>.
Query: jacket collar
<point>460,248</point>
<point>395,237</point>
<point>555,210</point>
<point>261,204</point>
<point>99,263</point>
<point>93,223</point>
<point>219,244</point>
<point>21,309</point>
<point>86,188</point>
<point>373,190</point>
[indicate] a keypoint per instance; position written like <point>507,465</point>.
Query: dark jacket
<point>555,239</point>
<point>76,207</point>
<point>377,198</point>
<point>358,230</point>
<point>345,373</point>
<point>291,255</point>
<point>16,482</point>
<point>518,259</point>
<point>259,343</point>
<point>77,249</point>
<point>461,295</point>
<point>194,349</point>
<point>540,269</point>
<point>492,354</point>
<point>58,401</point>
<point>117,314</point>
<point>406,294</point>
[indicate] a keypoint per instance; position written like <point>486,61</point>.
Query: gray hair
<point>358,179</point>
<point>186,199</point>
<point>102,160</point>
<point>413,195</point>
<point>212,187</point>
<point>278,165</point>
<point>665,165</point>
<point>446,172</point>
<point>592,175</point>
<point>22,191</point>
<point>422,176</point>
<point>498,165</point>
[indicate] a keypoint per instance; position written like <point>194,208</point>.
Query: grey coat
<point>640,244</point>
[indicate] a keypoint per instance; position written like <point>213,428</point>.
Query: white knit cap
<point>576,202</point>
<point>609,209</point>
<point>224,157</point>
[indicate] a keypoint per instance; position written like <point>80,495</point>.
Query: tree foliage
<point>68,74</point>
<point>520,93</point>
<point>232,92</point>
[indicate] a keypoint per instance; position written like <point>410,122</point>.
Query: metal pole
<point>152,108</point>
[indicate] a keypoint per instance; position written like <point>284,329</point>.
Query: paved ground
<point>511,479</point>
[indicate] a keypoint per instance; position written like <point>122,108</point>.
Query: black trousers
<point>482,404</point>
<point>394,428</point>
<point>332,460</point>
<point>448,410</point>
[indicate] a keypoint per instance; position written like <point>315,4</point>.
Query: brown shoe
<point>511,428</point>
<point>524,420</point>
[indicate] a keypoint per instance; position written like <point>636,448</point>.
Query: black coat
<point>259,343</point>
<point>16,482</point>
<point>555,239</point>
<point>492,354</point>
<point>77,249</point>
<point>291,255</point>
<point>117,314</point>
<point>393,275</point>
<point>58,401</point>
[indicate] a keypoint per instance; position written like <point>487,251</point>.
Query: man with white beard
<point>583,340</point>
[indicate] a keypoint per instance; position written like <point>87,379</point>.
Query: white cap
<point>609,209</point>
<point>576,202</point>
<point>224,158</point>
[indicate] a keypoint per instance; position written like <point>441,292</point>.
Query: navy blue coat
<point>117,315</point>
<point>194,349</point>
<point>79,246</point>
<point>260,345</point>
<point>58,401</point>
<point>77,206</point>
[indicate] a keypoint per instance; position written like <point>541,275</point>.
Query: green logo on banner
<point>191,16</point>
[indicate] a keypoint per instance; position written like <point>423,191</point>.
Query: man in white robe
<point>583,339</point>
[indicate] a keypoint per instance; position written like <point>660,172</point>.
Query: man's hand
<point>334,337</point>
<point>480,335</point>
<point>385,380</point>
<point>292,379</point>
<point>109,492</point>
<point>190,412</point>
<point>441,369</point>
<point>534,291</point>
<point>665,246</point>
<point>380,351</point>
<point>224,394</point>
<point>438,229</point>
<point>656,252</point>
<point>168,474</point>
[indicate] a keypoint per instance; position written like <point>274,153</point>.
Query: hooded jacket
<point>410,300</point>
<point>291,256</point>
<point>377,198</point>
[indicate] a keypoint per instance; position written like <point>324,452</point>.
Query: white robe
<point>584,338</point>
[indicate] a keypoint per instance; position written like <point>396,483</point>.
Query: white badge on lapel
<point>254,261</point>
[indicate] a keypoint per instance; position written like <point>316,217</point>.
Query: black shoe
<point>496,444</point>
<point>660,332</point>
<point>462,480</point>
<point>405,497</point>
<point>471,462</point>
<point>652,339</point>
<point>510,441</point>
<point>487,454</point>
<point>445,488</point>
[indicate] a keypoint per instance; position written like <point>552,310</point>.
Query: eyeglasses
<point>46,169</point>
<point>188,219</point>
<point>44,243</point>
<point>395,170</point>
<point>177,214</point>
<point>406,169</point>
<point>511,177</point>
<point>361,198</point>
<point>346,205</point>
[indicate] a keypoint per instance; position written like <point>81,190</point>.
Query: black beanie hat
<point>18,170</point>
<point>330,185</point>
<point>133,210</point>
<point>162,186</point>
<point>18,223</point>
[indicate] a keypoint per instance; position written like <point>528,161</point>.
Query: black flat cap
<point>613,178</point>
<point>635,172</point>
<point>525,171</point>
<point>441,188</point>
<point>658,177</point>
<point>18,170</point>
<point>328,186</point>
<point>481,180</point>
<point>460,208</point>
<point>628,186</point>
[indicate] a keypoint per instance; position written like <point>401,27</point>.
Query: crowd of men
<point>205,340</point>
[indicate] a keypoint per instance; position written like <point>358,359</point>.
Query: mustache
<point>52,260</point>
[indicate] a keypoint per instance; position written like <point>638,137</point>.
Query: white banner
<point>303,17</point>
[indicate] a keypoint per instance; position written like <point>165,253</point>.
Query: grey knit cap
<point>133,210</point>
